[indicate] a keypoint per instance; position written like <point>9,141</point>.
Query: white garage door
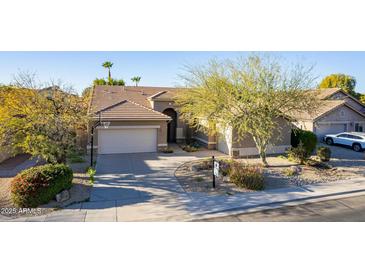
<point>134,140</point>
<point>323,129</point>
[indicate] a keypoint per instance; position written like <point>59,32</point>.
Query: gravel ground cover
<point>344,164</point>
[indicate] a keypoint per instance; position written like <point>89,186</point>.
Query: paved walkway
<point>142,187</point>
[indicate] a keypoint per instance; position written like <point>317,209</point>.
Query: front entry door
<point>171,126</point>
<point>171,132</point>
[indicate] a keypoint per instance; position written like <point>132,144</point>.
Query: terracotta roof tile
<point>104,96</point>
<point>129,110</point>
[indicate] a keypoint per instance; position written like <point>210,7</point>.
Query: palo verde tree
<point>346,82</point>
<point>250,95</point>
<point>41,122</point>
<point>136,80</point>
<point>108,65</point>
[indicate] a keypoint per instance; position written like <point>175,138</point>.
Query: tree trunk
<point>261,146</point>
<point>109,75</point>
<point>263,157</point>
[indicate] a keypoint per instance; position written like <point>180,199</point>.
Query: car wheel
<point>329,141</point>
<point>356,147</point>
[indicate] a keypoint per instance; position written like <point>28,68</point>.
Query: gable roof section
<point>327,107</point>
<point>130,111</point>
<point>325,93</point>
<point>104,96</point>
<point>163,96</point>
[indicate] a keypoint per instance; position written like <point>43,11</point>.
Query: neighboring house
<point>146,119</point>
<point>339,112</point>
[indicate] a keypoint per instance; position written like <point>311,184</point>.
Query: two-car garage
<point>321,129</point>
<point>127,140</point>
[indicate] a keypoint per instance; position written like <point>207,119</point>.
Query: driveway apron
<point>140,186</point>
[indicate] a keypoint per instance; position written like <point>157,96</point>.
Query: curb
<point>275,205</point>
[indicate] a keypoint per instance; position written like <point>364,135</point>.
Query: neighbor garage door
<point>323,129</point>
<point>111,141</point>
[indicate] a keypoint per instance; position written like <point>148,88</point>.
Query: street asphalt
<point>350,209</point>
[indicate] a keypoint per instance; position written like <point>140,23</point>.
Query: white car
<point>356,140</point>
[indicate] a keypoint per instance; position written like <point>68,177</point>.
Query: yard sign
<point>216,168</point>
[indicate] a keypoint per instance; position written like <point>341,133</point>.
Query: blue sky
<point>158,68</point>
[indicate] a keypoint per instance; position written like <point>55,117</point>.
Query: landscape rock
<point>225,178</point>
<point>296,169</point>
<point>63,196</point>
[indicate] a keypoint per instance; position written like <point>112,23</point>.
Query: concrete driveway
<point>140,186</point>
<point>136,177</point>
<point>346,158</point>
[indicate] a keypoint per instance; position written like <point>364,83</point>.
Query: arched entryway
<point>171,126</point>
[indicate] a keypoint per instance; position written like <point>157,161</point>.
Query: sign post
<point>215,170</point>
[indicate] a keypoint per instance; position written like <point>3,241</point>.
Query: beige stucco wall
<point>280,141</point>
<point>161,131</point>
<point>305,125</point>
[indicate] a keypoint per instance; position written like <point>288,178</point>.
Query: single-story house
<point>146,119</point>
<point>339,112</point>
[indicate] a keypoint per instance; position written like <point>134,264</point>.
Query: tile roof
<point>131,111</point>
<point>326,106</point>
<point>105,96</point>
<point>324,93</point>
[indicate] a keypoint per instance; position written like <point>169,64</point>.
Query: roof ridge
<point>112,106</point>
<point>157,94</point>
<point>150,109</point>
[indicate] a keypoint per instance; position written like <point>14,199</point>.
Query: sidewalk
<point>195,206</point>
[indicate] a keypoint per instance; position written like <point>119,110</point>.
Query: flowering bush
<point>38,185</point>
<point>247,176</point>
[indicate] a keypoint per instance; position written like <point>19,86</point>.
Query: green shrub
<point>167,150</point>
<point>189,148</point>
<point>324,154</point>
<point>91,172</point>
<point>298,154</point>
<point>225,166</point>
<point>38,185</point>
<point>205,164</point>
<point>308,138</point>
<point>195,145</point>
<point>247,176</point>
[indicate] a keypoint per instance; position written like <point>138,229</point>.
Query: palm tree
<point>136,79</point>
<point>108,65</point>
